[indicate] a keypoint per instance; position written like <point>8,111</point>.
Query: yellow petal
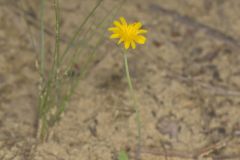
<point>142,31</point>
<point>116,23</point>
<point>114,36</point>
<point>123,21</point>
<point>120,41</point>
<point>133,44</point>
<point>138,25</point>
<point>127,44</point>
<point>140,39</point>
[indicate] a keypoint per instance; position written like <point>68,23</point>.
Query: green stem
<point>42,39</point>
<point>57,38</point>
<point>57,53</point>
<point>138,121</point>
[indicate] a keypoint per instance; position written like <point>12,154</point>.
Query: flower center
<point>129,33</point>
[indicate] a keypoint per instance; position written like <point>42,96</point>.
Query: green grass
<point>122,155</point>
<point>58,83</point>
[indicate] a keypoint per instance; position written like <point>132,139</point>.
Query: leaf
<point>122,155</point>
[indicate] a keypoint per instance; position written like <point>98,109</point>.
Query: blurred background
<point>186,78</point>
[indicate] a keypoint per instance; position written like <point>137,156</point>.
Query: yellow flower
<point>130,34</point>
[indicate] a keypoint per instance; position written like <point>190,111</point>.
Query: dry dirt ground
<point>187,81</point>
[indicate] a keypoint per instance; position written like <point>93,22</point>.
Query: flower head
<point>129,34</point>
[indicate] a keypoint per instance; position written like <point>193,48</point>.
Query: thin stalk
<point>138,121</point>
<point>57,37</point>
<point>42,97</point>
<point>44,106</point>
<point>42,39</point>
<point>57,51</point>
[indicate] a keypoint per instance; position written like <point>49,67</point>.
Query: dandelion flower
<point>129,34</point>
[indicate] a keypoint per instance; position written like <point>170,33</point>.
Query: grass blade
<point>42,39</point>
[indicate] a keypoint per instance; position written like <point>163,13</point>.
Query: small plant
<point>122,155</point>
<point>130,34</point>
<point>60,80</point>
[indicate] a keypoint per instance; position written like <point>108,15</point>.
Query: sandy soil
<point>187,81</point>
